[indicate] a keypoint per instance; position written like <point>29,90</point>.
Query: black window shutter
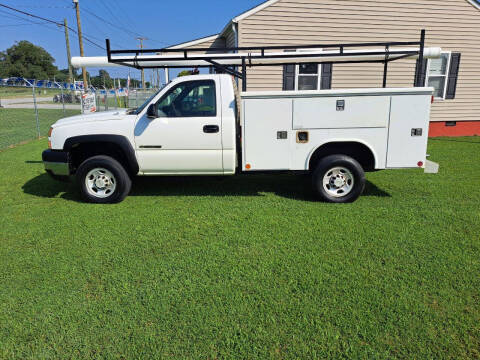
<point>453,76</point>
<point>422,73</point>
<point>289,77</point>
<point>326,80</point>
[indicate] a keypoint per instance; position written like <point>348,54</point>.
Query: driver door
<point>185,138</point>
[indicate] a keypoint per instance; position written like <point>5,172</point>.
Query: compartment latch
<point>417,132</point>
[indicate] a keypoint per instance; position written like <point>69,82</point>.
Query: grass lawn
<point>18,125</point>
<point>242,267</point>
<point>20,92</point>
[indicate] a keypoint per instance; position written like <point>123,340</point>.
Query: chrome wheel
<point>100,183</point>
<point>338,182</point>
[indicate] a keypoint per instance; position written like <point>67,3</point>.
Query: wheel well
<point>356,150</point>
<point>83,151</point>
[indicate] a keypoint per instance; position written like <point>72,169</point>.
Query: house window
<point>308,76</point>
<point>437,74</point>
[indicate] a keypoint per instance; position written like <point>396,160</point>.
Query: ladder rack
<point>227,59</point>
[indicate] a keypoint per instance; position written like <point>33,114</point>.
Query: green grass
<point>20,92</point>
<point>19,125</point>
<point>242,267</point>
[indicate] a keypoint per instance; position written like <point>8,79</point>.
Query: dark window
<point>308,69</point>
<point>308,77</point>
<point>189,99</point>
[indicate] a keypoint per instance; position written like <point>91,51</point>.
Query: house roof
<point>193,42</point>
<point>475,3</point>
<point>253,10</point>
<point>236,19</point>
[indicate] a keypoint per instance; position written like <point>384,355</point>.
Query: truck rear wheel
<point>338,179</point>
<point>103,180</point>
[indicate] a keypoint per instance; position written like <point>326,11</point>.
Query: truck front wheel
<point>338,179</point>
<point>103,180</point>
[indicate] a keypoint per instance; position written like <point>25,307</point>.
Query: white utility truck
<point>201,125</point>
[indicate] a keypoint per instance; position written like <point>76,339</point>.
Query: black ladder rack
<point>390,54</point>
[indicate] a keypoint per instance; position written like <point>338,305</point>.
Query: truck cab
<point>188,128</point>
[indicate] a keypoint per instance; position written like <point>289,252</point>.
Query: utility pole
<point>69,56</point>
<point>141,47</point>
<point>80,42</point>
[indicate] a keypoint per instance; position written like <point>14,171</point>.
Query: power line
<point>100,29</point>
<point>28,14</point>
<point>42,7</point>
<point>107,6</point>
<point>22,24</point>
<point>52,22</point>
<point>112,24</point>
<point>124,13</point>
<point>15,17</point>
<point>129,32</point>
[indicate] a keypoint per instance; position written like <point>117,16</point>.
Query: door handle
<point>210,129</point>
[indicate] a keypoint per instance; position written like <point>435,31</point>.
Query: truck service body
<point>202,125</point>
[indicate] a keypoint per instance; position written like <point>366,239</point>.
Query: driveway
<point>27,103</point>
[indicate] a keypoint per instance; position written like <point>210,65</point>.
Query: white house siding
<point>218,42</point>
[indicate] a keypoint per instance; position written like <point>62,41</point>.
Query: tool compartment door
<point>408,130</point>
<point>332,112</point>
<point>267,134</point>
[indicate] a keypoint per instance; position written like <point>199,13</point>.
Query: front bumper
<point>56,162</point>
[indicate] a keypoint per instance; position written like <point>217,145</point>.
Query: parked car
<point>67,98</point>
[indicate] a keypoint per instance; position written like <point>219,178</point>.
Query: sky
<point>163,22</point>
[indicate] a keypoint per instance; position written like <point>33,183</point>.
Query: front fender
<point>119,140</point>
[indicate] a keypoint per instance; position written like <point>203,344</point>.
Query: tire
<point>338,179</point>
<point>103,180</point>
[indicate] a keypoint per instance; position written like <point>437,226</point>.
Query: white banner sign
<point>88,103</point>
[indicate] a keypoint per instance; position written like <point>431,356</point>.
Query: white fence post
<point>36,110</point>
<point>63,100</point>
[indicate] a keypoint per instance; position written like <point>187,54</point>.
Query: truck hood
<point>99,116</point>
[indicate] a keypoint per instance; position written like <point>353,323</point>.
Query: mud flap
<point>431,167</point>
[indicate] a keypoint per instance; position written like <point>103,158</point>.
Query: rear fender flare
<point>341,141</point>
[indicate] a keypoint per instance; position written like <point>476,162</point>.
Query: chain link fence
<point>26,113</point>
<point>107,100</point>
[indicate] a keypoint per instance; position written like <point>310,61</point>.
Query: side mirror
<point>152,112</point>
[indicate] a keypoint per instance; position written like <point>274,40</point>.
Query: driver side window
<point>189,99</point>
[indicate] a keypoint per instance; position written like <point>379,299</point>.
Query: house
<point>453,25</point>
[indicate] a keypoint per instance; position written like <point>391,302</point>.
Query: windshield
<point>145,104</point>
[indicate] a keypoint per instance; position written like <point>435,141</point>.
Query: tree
<point>27,60</point>
<point>62,75</point>
<point>103,79</point>
<point>184,73</point>
<point>188,72</point>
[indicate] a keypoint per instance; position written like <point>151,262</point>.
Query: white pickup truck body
<point>211,131</point>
